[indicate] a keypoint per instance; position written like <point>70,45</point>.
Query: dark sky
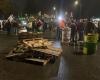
<point>89,7</point>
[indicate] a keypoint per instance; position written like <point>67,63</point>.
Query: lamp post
<point>76,3</point>
<point>54,9</point>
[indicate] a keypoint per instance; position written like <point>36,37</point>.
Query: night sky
<point>89,7</point>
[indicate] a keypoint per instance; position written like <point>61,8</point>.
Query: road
<point>68,67</point>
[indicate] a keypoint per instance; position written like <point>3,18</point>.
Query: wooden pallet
<point>49,52</point>
<point>44,62</point>
<point>11,54</point>
<point>16,56</point>
<point>50,48</point>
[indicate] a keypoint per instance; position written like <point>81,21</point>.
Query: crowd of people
<point>76,29</point>
<point>14,25</point>
<point>79,28</point>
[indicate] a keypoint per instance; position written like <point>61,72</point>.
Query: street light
<point>54,8</point>
<point>54,11</point>
<point>76,2</point>
<point>60,17</point>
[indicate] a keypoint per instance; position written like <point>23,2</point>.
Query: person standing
<point>34,25</point>
<point>29,26</point>
<point>44,26</point>
<point>80,29</point>
<point>15,26</point>
<point>60,32</point>
<point>73,31</point>
<point>90,28</point>
<point>8,27</point>
<point>39,25</point>
<point>1,25</point>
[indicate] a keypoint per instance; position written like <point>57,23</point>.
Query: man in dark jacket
<point>90,28</point>
<point>73,31</point>
<point>80,29</point>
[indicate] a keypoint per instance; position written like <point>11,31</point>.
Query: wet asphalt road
<point>67,67</point>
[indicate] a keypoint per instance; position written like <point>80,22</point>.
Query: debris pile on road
<point>35,50</point>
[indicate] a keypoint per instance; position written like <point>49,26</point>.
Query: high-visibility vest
<point>62,24</point>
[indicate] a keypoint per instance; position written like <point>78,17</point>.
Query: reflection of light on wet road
<point>63,70</point>
<point>57,44</point>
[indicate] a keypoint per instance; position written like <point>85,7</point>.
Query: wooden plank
<point>13,54</point>
<point>54,48</point>
<point>48,51</point>
<point>38,60</point>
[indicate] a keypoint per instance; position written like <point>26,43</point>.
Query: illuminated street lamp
<point>60,18</point>
<point>54,11</point>
<point>54,8</point>
<point>76,2</point>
